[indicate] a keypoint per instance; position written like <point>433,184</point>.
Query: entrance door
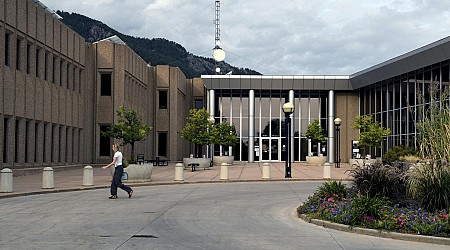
<point>274,152</point>
<point>265,150</point>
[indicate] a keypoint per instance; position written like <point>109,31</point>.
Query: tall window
<point>17,140</point>
<point>162,144</point>
<point>53,69</point>
<point>18,54</point>
<point>27,134</point>
<point>44,143</point>
<point>36,141</point>
<point>38,51</point>
<point>59,143</point>
<point>46,66</point>
<point>7,48</point>
<point>66,155</point>
<point>5,140</point>
<point>105,88</point>
<point>52,144</point>
<point>163,99</point>
<point>60,72</point>
<point>80,75</point>
<point>105,142</point>
<point>68,75</point>
<point>28,58</point>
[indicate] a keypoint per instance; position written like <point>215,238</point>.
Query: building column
<point>291,133</point>
<point>211,107</point>
<point>331,129</point>
<point>251,126</point>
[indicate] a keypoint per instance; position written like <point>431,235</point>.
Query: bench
<point>193,166</point>
<point>140,159</point>
<point>160,162</point>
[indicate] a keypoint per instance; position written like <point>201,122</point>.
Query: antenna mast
<point>218,53</point>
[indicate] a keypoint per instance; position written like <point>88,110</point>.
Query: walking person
<point>118,171</point>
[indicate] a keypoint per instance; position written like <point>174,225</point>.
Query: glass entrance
<point>269,149</point>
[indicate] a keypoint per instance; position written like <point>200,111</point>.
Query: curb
<point>376,233</point>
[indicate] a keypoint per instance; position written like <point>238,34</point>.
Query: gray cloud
<point>284,36</point>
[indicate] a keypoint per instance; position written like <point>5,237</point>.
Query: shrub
<point>380,180</point>
<point>395,153</point>
<point>328,189</point>
<point>365,209</point>
<point>430,185</point>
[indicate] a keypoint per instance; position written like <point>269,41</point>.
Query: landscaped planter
<point>204,163</point>
<point>137,172</point>
<point>218,160</point>
<point>316,160</point>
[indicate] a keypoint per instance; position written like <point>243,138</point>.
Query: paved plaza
<point>245,212</point>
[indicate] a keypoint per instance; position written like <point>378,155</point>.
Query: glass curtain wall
<point>395,103</point>
<point>270,134</point>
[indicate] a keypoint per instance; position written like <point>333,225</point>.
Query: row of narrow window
<point>68,67</point>
<point>52,136</point>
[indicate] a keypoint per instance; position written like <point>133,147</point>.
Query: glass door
<point>274,152</point>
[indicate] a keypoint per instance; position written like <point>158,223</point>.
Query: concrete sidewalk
<point>70,180</point>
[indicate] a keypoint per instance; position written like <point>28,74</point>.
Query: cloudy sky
<point>295,37</point>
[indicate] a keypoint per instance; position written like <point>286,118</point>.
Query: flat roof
<point>285,82</point>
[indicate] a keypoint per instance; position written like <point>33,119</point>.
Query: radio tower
<point>218,53</point>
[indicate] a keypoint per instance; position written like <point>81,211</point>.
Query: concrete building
<point>58,93</point>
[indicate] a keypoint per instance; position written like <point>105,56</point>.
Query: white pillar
<point>292,127</point>
<point>6,180</point>
<point>88,176</point>
<point>48,181</point>
<point>266,170</point>
<point>224,171</point>
<point>326,170</point>
<point>251,126</point>
<point>331,149</point>
<point>179,172</point>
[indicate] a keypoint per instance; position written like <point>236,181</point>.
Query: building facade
<point>58,93</point>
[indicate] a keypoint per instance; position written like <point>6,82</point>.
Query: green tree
<point>129,128</point>
<point>371,133</point>
<point>315,133</point>
<point>197,129</point>
<point>224,134</point>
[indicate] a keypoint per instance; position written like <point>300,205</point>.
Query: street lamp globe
<point>337,121</point>
<point>288,108</point>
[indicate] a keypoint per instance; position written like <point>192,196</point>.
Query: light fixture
<point>219,54</point>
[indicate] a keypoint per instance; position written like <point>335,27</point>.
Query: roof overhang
<point>316,82</point>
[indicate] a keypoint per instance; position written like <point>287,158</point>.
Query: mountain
<point>156,51</point>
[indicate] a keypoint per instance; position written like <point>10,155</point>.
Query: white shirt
<point>118,154</point>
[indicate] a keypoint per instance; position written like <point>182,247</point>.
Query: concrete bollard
<point>6,180</point>
<point>88,176</point>
<point>179,168</point>
<point>224,171</point>
<point>266,170</point>
<point>326,170</point>
<point>48,181</point>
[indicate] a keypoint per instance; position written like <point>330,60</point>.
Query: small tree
<point>129,128</point>
<point>315,133</point>
<point>371,133</point>
<point>197,129</point>
<point>224,134</point>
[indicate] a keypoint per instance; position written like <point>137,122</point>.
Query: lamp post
<point>288,109</point>
<point>337,123</point>
<point>211,121</point>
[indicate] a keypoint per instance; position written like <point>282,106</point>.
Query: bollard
<point>47,178</point>
<point>6,180</point>
<point>88,176</point>
<point>326,170</point>
<point>179,168</point>
<point>266,170</point>
<point>224,171</point>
